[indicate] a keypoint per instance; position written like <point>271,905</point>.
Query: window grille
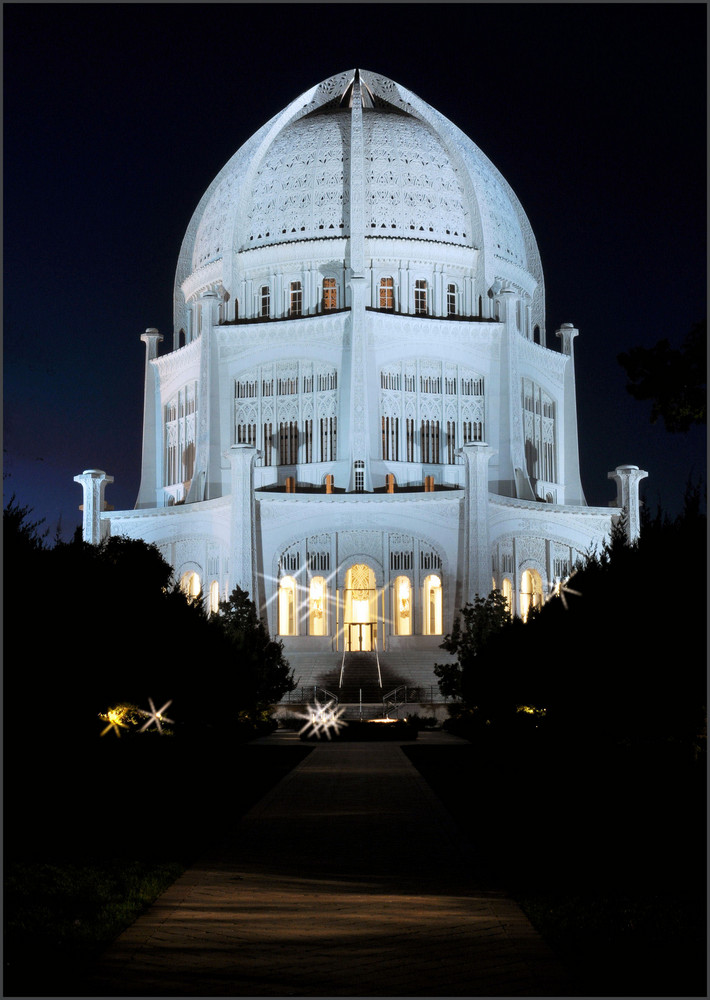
<point>265,304</point>
<point>430,441</point>
<point>359,477</point>
<point>330,294</point>
<point>296,301</point>
<point>390,438</point>
<point>386,293</point>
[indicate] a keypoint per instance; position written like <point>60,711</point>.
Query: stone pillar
<point>477,557</point>
<point>93,482</point>
<point>152,461</point>
<point>566,431</point>
<point>627,478</point>
<point>242,551</point>
<point>207,478</point>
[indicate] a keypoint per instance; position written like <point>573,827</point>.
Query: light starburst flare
<point>322,719</point>
<point>155,717</point>
<point>562,590</point>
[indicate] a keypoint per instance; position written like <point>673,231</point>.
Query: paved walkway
<point>347,879</point>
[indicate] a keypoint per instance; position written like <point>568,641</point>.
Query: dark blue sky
<point>118,116</point>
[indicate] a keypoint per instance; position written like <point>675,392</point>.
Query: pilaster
<point>206,480</point>
<point>242,554</point>
<point>476,549</point>
<point>569,447</point>
<point>151,464</point>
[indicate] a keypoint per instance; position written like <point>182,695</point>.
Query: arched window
<point>433,618</point>
<point>402,606</point>
<point>317,617</point>
<point>191,586</point>
<point>296,299</point>
<point>420,297</point>
<point>386,293</point>
<point>214,597</point>
<point>530,592</point>
<point>330,294</point>
<point>451,300</point>
<point>287,606</point>
<point>265,302</point>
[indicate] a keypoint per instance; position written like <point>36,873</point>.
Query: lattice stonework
<point>288,411</point>
<point>180,437</point>
<point>428,408</point>
<point>539,431</point>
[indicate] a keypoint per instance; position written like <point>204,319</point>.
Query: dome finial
<point>366,95</point>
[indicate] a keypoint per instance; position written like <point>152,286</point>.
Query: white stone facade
<point>360,421</point>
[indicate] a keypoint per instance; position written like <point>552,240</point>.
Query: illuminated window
<point>287,606</point>
<point>296,301</point>
<point>507,592</point>
<point>330,294</point>
<point>317,608</point>
<point>214,597</point>
<point>433,618</point>
<point>265,303</point>
<point>191,586</point>
<point>530,592</point>
<point>402,609</point>
<point>420,297</point>
<point>451,300</point>
<point>386,293</point>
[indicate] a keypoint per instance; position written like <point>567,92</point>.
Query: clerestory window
<point>420,297</point>
<point>330,294</point>
<point>386,293</point>
<point>296,300</point>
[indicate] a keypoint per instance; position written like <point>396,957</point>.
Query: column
<point>207,479</point>
<point>566,428</point>
<point>93,482</point>
<point>242,553</point>
<point>152,460</point>
<point>477,557</point>
<point>627,478</point>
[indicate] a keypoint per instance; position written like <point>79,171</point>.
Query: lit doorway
<point>360,609</point>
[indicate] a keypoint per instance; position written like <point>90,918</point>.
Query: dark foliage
<point>673,380</point>
<point>473,627</point>
<point>624,661</point>
<point>88,628</point>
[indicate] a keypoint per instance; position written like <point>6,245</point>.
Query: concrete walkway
<point>347,879</point>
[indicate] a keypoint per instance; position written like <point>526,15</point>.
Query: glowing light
<point>563,589</point>
<point>155,717</point>
<point>322,719</point>
<point>114,717</point>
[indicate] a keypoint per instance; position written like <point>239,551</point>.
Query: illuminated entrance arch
<point>530,592</point>
<point>360,609</point>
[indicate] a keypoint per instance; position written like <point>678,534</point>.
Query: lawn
<point>91,842</point>
<point>605,852</point>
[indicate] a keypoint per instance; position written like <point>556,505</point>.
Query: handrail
<point>326,692</point>
<point>379,672</point>
<point>342,666</point>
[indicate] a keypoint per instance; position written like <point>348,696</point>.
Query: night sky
<point>117,117</point>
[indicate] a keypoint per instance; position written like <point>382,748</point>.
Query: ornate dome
<point>424,180</point>
<point>411,187</point>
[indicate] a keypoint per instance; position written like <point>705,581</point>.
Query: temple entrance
<point>359,638</point>
<point>360,609</point>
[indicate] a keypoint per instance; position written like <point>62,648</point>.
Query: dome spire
<point>367,98</point>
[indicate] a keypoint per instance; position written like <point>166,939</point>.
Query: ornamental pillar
<point>93,482</point>
<point>207,477</point>
<point>152,459</point>
<point>242,549</point>
<point>627,478</point>
<point>568,448</point>
<point>477,567</point>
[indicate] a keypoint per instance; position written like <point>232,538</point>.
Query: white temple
<point>360,422</point>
